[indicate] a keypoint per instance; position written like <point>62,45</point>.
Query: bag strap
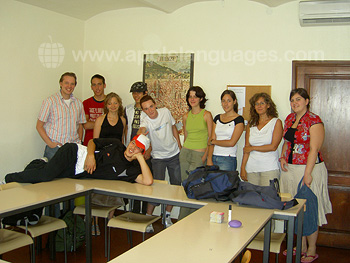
<point>199,168</point>
<point>276,184</point>
<point>204,169</point>
<point>300,183</point>
<point>211,167</point>
<point>289,204</point>
<point>26,224</point>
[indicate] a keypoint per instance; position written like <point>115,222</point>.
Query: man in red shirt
<point>93,106</point>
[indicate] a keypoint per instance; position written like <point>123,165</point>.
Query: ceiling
<point>85,9</point>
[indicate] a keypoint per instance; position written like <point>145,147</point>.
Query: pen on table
<point>229,213</point>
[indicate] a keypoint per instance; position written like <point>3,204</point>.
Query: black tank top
<point>109,131</point>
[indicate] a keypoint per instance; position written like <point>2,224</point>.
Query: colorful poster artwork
<point>168,78</point>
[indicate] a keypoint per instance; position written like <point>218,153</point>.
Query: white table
<point>43,194</point>
<point>196,239</point>
<point>21,199</point>
<point>174,195</point>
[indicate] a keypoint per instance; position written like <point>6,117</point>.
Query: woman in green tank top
<point>197,126</point>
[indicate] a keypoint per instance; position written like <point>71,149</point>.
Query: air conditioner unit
<point>312,13</point>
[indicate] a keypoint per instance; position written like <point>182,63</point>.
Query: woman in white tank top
<point>227,129</point>
<point>263,135</point>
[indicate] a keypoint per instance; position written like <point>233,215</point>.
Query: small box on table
<point>217,217</point>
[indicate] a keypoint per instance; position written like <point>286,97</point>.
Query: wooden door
<point>328,84</point>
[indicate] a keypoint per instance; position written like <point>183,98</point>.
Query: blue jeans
<point>173,166</point>
<point>226,163</point>
<point>50,152</point>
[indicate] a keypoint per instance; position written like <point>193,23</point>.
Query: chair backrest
<point>30,217</point>
<point>10,185</point>
<point>10,240</point>
<point>246,257</point>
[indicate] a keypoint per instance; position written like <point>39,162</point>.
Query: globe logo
<point>51,55</point>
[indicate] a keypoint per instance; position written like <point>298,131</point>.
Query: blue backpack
<point>210,182</point>
<point>310,224</point>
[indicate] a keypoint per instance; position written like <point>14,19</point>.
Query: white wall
<point>25,82</point>
<point>234,41</point>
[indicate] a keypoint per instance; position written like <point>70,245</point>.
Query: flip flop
<point>313,258</point>
<point>294,252</point>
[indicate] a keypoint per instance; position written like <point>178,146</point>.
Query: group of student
<point>300,159</point>
<point>139,142</point>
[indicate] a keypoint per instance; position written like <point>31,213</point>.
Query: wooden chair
<point>132,222</point>
<point>246,257</point>
<point>45,225</point>
<point>276,238</point>
<point>96,211</point>
<point>275,243</point>
<point>11,240</point>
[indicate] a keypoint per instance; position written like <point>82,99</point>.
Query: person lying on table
<point>103,158</point>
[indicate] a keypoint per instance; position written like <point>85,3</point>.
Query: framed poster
<point>168,78</point>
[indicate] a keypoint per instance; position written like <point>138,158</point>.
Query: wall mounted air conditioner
<point>312,13</point>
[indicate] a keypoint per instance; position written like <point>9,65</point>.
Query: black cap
<point>138,87</point>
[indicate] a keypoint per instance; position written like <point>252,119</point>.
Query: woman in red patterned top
<point>301,160</point>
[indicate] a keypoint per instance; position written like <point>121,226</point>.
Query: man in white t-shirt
<point>159,125</point>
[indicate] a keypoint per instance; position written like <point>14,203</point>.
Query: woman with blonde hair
<point>112,123</point>
<point>109,125</point>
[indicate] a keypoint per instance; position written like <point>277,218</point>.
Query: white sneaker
<point>168,221</point>
<point>3,181</point>
<point>149,229</point>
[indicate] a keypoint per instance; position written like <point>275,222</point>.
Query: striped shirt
<point>62,121</point>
